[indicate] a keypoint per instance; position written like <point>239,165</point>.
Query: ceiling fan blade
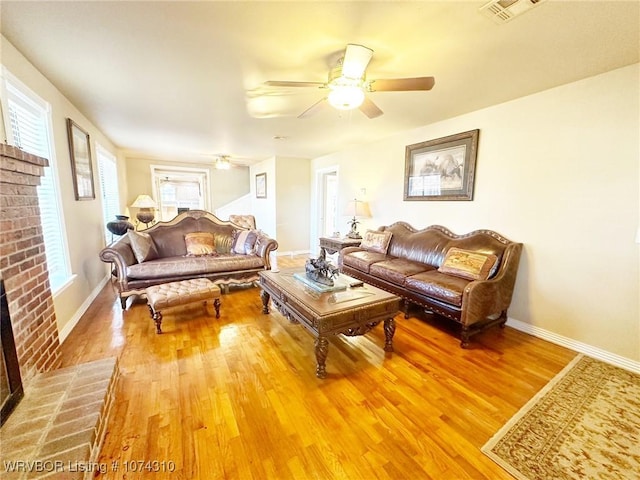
<point>370,109</point>
<point>313,108</point>
<point>356,59</point>
<point>276,83</point>
<point>402,84</point>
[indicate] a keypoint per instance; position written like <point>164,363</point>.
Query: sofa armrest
<point>264,246</point>
<point>345,251</point>
<point>120,255</point>
<point>484,298</point>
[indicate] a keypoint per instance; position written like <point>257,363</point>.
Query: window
<point>29,127</point>
<point>179,189</point>
<point>108,173</point>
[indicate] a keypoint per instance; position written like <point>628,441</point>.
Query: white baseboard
<point>589,350</point>
<point>73,321</point>
<point>291,253</point>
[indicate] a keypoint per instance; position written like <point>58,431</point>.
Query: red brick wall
<point>23,263</point>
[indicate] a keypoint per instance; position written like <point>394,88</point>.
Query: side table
<point>332,245</point>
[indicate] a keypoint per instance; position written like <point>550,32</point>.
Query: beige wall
<point>225,185</point>
<point>557,171</point>
<point>284,213</point>
<point>264,209</point>
<point>293,199</point>
<point>83,220</point>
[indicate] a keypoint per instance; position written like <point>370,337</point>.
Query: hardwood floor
<point>237,397</point>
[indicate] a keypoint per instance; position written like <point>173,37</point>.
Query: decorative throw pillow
<point>244,242</point>
<point>142,245</point>
<point>376,241</point>
<point>468,264</point>
<point>199,243</point>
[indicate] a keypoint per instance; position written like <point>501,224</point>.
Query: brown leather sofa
<point>172,262</point>
<point>413,268</point>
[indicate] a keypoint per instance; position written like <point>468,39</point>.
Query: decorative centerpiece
<point>120,226</point>
<point>320,271</point>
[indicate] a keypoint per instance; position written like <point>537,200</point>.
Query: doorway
<point>328,202</point>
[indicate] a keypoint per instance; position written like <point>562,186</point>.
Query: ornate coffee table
<point>353,311</point>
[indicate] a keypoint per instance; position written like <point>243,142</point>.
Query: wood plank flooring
<point>237,397</point>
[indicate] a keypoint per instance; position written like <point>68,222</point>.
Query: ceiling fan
<point>226,162</point>
<point>348,86</point>
<point>222,162</point>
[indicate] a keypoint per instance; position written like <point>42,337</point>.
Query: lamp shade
<point>357,208</point>
<point>144,201</point>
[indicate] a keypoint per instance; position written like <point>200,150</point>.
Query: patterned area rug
<point>584,424</point>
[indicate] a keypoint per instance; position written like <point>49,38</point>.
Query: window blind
<point>29,128</point>
<point>108,173</point>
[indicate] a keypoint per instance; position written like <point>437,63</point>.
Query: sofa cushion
<point>441,286</point>
<point>199,243</point>
<point>468,264</point>
<point>396,270</point>
<point>362,259</point>
<point>376,241</point>
<point>143,246</point>
<point>244,242</point>
<point>180,266</point>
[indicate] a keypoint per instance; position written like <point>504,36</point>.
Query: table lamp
<point>146,204</point>
<point>356,208</point>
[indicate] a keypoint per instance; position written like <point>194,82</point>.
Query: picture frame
<point>81,165</point>
<point>261,185</point>
<point>441,169</point>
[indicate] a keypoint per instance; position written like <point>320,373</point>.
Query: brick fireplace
<point>23,263</point>
<point>58,427</point>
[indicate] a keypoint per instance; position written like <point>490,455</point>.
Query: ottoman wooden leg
<point>216,305</point>
<point>157,318</point>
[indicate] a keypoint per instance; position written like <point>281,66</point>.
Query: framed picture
<point>441,169</point>
<point>261,185</point>
<point>81,167</point>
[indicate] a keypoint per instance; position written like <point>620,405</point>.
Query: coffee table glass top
<point>327,302</point>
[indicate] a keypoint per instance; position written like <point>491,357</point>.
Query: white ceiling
<point>182,80</point>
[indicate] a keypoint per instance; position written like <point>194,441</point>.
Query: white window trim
<point>102,152</point>
<point>7,77</point>
<point>156,171</point>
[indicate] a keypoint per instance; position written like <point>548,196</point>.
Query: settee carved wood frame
<point>120,256</point>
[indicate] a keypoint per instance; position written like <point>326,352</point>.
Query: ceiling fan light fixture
<point>222,163</point>
<point>346,97</point>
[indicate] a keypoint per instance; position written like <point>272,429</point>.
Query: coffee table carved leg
<point>389,331</point>
<point>265,301</point>
<point>322,349</point>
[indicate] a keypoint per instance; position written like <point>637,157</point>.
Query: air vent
<point>502,11</point>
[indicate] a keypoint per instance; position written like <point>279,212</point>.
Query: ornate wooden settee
<point>195,244</point>
<point>466,278</point>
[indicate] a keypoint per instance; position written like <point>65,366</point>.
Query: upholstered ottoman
<point>183,292</point>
